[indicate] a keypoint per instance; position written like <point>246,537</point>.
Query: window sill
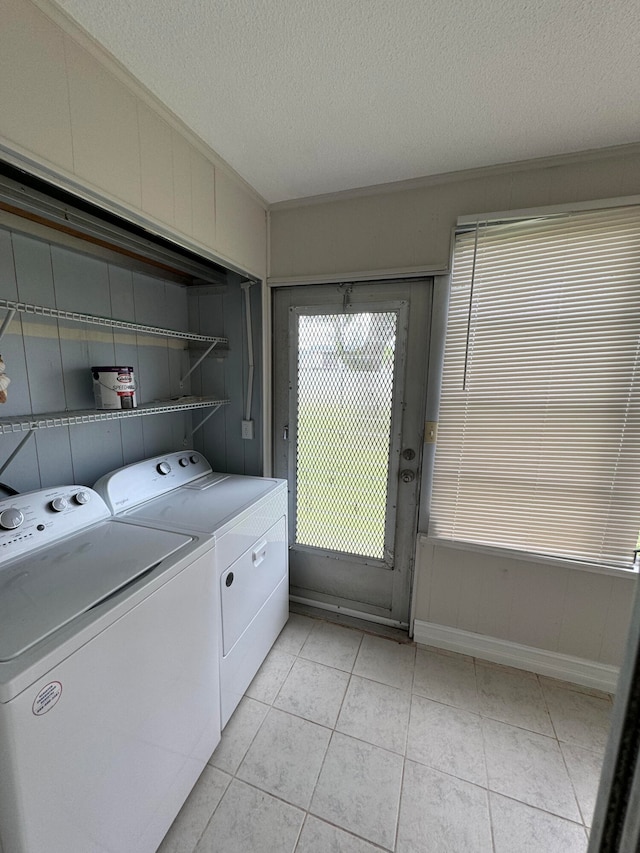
<point>525,556</point>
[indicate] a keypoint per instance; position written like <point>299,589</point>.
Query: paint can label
<point>114,387</point>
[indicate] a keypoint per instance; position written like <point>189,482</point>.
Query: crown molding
<point>575,158</point>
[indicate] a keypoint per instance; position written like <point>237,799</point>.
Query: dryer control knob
<point>183,461</point>
<point>82,498</point>
<point>11,518</point>
<point>163,468</point>
<point>58,504</point>
<point>194,459</point>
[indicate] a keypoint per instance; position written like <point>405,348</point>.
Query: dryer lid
<point>50,587</point>
<point>206,505</point>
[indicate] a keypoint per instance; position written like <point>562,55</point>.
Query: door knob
<point>407,476</point>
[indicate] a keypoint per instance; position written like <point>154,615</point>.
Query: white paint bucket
<point>114,387</point>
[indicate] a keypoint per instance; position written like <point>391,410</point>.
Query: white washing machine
<point>109,689</point>
<point>248,517</point>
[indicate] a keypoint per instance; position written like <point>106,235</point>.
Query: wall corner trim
<point>553,664</point>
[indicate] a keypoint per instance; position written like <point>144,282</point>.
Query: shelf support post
<point>17,450</point>
<point>11,312</point>
<point>202,423</point>
<point>197,363</point>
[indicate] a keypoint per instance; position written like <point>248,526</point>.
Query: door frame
<point>416,376</point>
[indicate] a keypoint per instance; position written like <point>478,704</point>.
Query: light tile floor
<point>347,742</point>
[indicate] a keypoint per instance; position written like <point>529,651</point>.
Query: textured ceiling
<point>304,97</point>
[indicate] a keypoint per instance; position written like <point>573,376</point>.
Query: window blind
<point>538,443</point>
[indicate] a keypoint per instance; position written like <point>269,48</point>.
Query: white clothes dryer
<point>108,674</point>
<point>248,518</point>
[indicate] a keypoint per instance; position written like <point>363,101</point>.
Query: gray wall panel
<point>132,438</point>
<point>49,363</point>
<point>23,474</point>
<point>44,369</point>
<point>81,283</point>
<point>121,293</point>
<point>53,447</point>
<point>96,449</point>
<point>12,346</point>
<point>158,434</point>
<point>7,266</point>
<point>235,385</point>
<point>180,425</point>
<point>34,275</point>
<point>76,376</point>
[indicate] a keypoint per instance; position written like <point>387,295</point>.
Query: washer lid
<point>47,588</point>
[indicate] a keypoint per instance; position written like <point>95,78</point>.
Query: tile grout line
<point>307,813</point>
<point>486,763</point>
<point>559,742</point>
<point>206,826</point>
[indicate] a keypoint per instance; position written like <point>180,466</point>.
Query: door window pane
<point>346,368</point>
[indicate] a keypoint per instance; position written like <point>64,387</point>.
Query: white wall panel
<point>181,158</point>
<point>470,591</point>
<point>104,124</point>
<point>34,97</point>
<point>588,600</point>
<point>623,592</point>
<point>574,612</point>
<point>494,605</point>
<point>68,107</point>
<point>156,165</point>
<point>203,199</point>
<point>241,224</point>
<point>443,602</point>
<point>543,594</point>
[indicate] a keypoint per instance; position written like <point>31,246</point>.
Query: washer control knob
<point>194,459</point>
<point>163,468</point>
<point>183,461</point>
<point>11,518</point>
<point>82,498</point>
<point>58,504</point>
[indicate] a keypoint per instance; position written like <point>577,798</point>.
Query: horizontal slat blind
<point>539,427</point>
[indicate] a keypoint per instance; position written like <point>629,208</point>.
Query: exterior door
<point>350,388</point>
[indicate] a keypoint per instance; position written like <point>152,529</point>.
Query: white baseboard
<point>577,670</point>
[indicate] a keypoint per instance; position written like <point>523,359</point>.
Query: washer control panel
<point>33,519</point>
<point>134,484</point>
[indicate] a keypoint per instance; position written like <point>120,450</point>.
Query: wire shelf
<point>76,317</point>
<point>50,420</point>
